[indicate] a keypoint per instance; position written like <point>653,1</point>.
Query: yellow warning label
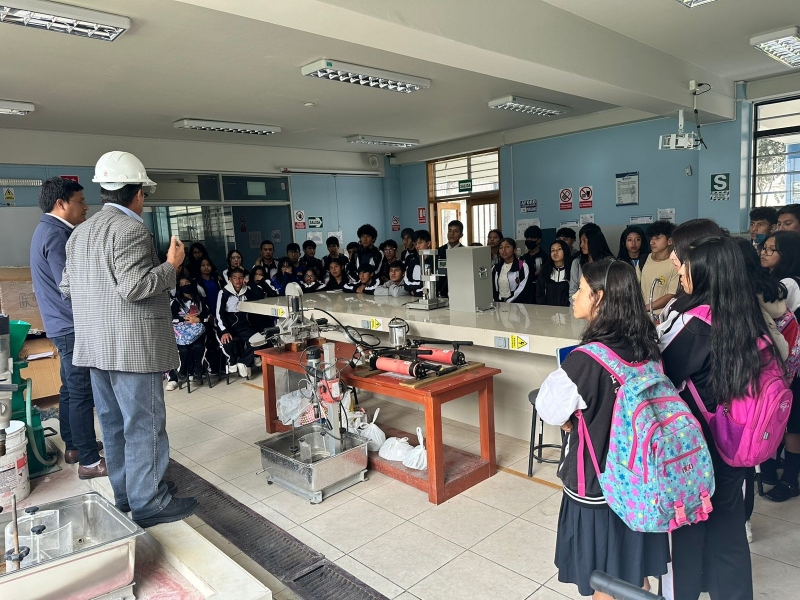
<point>278,312</point>
<point>375,324</point>
<point>520,342</point>
<point>8,195</point>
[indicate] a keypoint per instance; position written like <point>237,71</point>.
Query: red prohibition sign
<point>586,193</point>
<point>566,195</point>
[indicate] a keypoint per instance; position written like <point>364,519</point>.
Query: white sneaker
<point>244,371</point>
<point>749,531</point>
<point>232,368</point>
<point>257,361</point>
<point>172,385</point>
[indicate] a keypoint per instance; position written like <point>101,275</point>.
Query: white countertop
<point>523,327</point>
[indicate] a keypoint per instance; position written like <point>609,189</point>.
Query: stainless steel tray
<point>334,467</point>
<point>104,542</point>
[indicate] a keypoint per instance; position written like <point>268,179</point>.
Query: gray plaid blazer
<point>120,296</point>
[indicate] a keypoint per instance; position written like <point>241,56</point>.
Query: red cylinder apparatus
<point>394,365</point>
<point>448,357</point>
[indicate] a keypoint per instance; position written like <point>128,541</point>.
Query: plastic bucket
<point>14,477</point>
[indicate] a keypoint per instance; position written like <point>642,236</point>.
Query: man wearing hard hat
<point>123,332</point>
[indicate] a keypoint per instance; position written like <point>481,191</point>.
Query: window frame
<point>758,135</point>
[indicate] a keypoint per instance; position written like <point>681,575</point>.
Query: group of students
<point>731,317</point>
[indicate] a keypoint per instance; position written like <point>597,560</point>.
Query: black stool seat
<point>537,448</point>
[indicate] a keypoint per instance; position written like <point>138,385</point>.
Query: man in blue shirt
<point>64,207</point>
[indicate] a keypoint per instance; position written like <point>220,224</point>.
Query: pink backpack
<point>748,430</point>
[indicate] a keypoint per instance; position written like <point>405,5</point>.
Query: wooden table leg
<point>270,398</point>
<point>433,430</point>
<point>486,401</point>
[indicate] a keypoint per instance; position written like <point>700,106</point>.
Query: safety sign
<point>520,342</point>
<point>299,219</point>
<point>395,223</point>
<point>565,199</point>
<point>422,215</point>
<point>720,187</point>
<point>528,206</point>
<point>315,222</point>
<point>9,198</point>
<point>373,324</point>
<point>585,195</point>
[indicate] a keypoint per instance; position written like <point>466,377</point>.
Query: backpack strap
<point>698,400</point>
<point>583,438</point>
<point>596,350</point>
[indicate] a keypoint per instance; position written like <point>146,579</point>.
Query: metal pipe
<point>661,281</point>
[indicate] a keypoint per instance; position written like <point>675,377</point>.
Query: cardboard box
<point>45,372</point>
<point>17,299</point>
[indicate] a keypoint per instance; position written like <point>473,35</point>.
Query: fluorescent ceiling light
<point>226,127</point>
<point>693,3</point>
<point>8,107</point>
<point>528,106</point>
<point>375,140</point>
<point>63,18</point>
<point>783,45</point>
<point>333,70</point>
<point>290,171</point>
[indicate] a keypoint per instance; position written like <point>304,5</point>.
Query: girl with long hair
<point>552,286</point>
<point>191,267</point>
<point>235,261</point>
<point>634,248</point>
<point>493,239</point>
<point>593,248</point>
<point>721,359</point>
<point>512,277</point>
<point>590,535</point>
<point>780,254</point>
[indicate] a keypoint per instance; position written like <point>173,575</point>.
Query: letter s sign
<point>720,182</point>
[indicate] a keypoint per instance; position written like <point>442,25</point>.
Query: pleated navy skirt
<point>592,539</point>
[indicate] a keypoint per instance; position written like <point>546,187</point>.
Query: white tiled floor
<point>496,540</point>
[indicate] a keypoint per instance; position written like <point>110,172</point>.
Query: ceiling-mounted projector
<point>680,140</point>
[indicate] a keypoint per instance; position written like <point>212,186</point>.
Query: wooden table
<point>450,471</point>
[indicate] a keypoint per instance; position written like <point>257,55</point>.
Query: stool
<point>537,448</point>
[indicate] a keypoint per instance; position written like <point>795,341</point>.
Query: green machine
<point>40,461</point>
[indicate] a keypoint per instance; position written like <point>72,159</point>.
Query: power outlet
<point>501,342</point>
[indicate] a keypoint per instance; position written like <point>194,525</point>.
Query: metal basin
<point>313,464</point>
<point>101,559</point>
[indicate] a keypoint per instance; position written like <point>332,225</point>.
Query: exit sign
<point>465,185</point>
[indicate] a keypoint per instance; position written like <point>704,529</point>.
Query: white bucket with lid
<point>14,478</point>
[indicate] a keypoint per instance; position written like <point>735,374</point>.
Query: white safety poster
<point>255,239</point>
<point>586,218</point>
<point>641,220</point>
<point>275,236</point>
<point>337,234</point>
<point>314,236</point>
<point>666,214</point>
<point>523,224</point>
<point>571,224</point>
<point>627,188</point>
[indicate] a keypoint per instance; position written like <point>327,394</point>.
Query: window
<point>464,188</point>
<point>776,153</point>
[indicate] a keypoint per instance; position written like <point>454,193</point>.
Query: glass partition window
<point>776,153</point>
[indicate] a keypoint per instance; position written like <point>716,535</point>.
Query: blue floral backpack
<point>658,473</point>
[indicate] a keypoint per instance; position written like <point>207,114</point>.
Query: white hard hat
<point>117,169</point>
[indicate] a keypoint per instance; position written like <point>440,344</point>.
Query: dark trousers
<point>76,404</point>
<point>714,555</point>
<point>192,358</point>
<point>239,350</point>
<point>749,493</point>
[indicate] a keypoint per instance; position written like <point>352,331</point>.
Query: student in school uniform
<point>590,535</point>
<point>593,248</point>
<point>351,270</point>
<point>367,281</point>
<point>332,244</point>
<point>234,261</point>
<point>414,267</point>
<point>513,278</point>
<point>293,256</point>
<point>189,319</point>
<point>552,285</point>
<point>233,326</point>
<point>309,260</point>
<point>763,221</point>
<point>721,361</point>
<point>493,239</point>
<point>634,248</point>
<point>337,278</point>
<point>455,231</point>
<point>191,267</point>
<point>407,237</point>
<point>781,256</point>
<point>568,235</point>
<point>659,276</point>
<point>267,259</point>
<point>310,283</point>
<point>284,276</point>
<point>389,251</point>
<point>394,286</point>
<point>366,252</point>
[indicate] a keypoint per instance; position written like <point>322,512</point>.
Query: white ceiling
<point>183,60</point>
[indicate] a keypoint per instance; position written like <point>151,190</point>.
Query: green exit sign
<point>465,185</point>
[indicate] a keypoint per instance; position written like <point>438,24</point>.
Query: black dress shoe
<point>71,456</point>
<point>171,488</point>
<point>177,510</point>
<point>783,492</point>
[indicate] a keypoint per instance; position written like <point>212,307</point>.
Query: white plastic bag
<point>373,433</point>
<point>395,449</point>
<point>291,406</point>
<point>417,458</point>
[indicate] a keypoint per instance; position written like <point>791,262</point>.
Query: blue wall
<point>28,196</point>
<point>413,194</point>
<point>263,219</point>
